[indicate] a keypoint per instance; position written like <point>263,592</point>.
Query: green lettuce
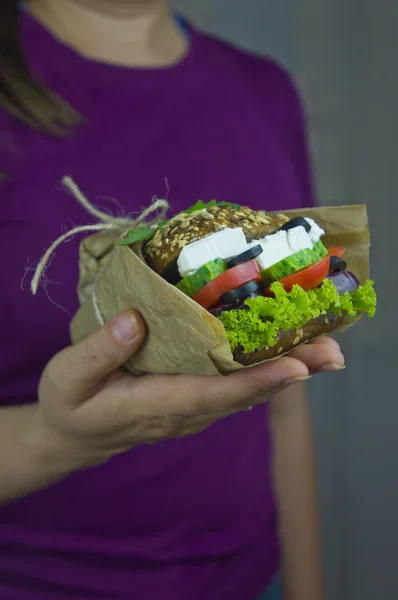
<point>265,318</point>
<point>364,299</point>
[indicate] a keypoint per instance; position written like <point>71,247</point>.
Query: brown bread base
<point>288,340</point>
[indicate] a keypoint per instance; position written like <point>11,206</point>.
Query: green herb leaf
<point>141,235</point>
<point>137,235</point>
<point>162,225</point>
<point>231,204</point>
<point>200,205</point>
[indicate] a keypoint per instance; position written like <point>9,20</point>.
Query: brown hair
<point>21,94</point>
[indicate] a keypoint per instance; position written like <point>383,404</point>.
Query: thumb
<point>106,349</point>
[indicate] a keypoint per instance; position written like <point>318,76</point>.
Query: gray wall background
<point>343,55</point>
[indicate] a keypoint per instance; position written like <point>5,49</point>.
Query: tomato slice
<point>210,294</point>
<point>337,251</point>
<point>308,278</point>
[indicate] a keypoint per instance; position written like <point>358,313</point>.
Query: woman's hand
<point>90,410</point>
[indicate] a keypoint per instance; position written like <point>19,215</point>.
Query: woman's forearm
<point>28,460</point>
<point>296,490</point>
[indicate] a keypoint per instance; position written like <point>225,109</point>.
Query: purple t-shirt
<point>189,519</point>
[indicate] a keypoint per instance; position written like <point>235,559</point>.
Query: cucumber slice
<point>193,283</point>
<point>293,263</point>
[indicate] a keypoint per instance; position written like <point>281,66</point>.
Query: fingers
<point>326,340</point>
<point>103,351</point>
<point>320,356</point>
<point>189,395</point>
<point>239,388</point>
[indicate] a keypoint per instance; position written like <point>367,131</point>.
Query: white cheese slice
<point>275,248</point>
<point>298,239</point>
<point>315,232</point>
<point>280,245</point>
<point>223,244</point>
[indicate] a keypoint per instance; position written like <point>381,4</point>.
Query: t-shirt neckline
<point>31,27</point>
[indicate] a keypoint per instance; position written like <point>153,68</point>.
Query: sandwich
<point>268,279</point>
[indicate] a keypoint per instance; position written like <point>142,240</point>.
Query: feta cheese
<point>275,248</point>
<point>315,232</point>
<point>280,245</point>
<point>223,244</point>
<point>298,239</point>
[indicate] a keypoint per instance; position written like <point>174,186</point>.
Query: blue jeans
<point>274,591</point>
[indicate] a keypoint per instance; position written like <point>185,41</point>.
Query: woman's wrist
<point>30,457</point>
<point>47,447</point>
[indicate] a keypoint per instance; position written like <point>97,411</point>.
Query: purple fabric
<point>187,519</point>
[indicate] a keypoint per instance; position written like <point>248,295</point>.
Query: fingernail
<point>125,328</point>
<point>331,367</point>
<point>296,380</point>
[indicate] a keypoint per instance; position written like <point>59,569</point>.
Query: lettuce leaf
<point>260,324</point>
<point>364,298</point>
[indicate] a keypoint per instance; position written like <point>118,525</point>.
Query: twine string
<point>120,225</point>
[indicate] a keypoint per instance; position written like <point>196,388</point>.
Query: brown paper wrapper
<point>182,336</point>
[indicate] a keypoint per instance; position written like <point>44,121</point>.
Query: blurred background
<point>343,56</point>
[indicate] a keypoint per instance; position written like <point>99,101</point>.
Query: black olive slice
<point>337,264</point>
<point>244,291</point>
<point>296,222</point>
<point>238,305</point>
<point>245,256</point>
